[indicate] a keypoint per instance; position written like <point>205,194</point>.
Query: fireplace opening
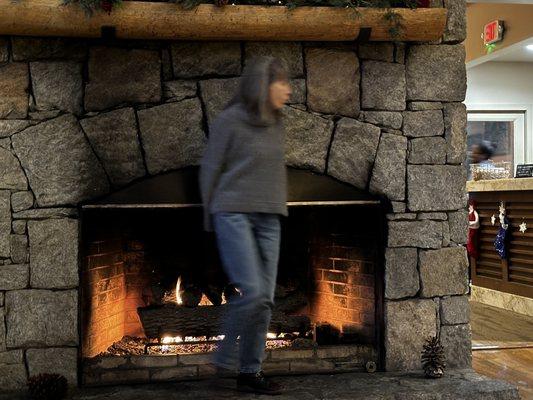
<point>152,285</point>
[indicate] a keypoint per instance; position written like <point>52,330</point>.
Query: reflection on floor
<point>503,346</point>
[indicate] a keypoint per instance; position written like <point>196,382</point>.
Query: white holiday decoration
<point>493,219</point>
<point>523,227</point>
<point>502,208</point>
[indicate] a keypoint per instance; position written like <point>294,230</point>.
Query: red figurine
<point>473,227</point>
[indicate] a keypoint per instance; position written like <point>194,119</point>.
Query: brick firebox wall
<point>111,292</point>
<point>343,295</point>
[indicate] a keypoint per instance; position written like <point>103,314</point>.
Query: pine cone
<point>47,387</point>
<point>433,358</point>
<point>221,3</point>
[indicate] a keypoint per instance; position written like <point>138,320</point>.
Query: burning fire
<point>203,302</point>
<point>169,341</point>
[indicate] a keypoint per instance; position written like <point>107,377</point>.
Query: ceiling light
<point>529,47</point>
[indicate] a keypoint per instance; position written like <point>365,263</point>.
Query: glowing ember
<point>271,335</point>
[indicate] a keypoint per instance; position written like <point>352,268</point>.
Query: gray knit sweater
<point>243,167</point>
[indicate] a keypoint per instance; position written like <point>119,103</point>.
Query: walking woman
<point>243,185</point>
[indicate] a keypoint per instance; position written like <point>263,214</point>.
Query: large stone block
<point>172,135</point>
<point>166,65</point>
<point>299,91</point>
<point>57,85</point>
<point>408,324</point>
<point>289,52</point>
<point>377,51</point>
<point>46,213</point>
<point>19,226</point>
<point>454,310</point>
<point>14,276</point>
<point>2,326</point>
<point>457,343</point>
<point>54,253</point>
<point>21,200</point>
<point>383,86</point>
<point>14,84</point>
<point>307,139</point>
<point>196,59</point>
<point>332,81</point>
<point>61,361</point>
<point>388,174</point>
<point>4,49</point>
<point>443,272</point>
<point>456,23</point>
<point>425,234</point>
<point>436,187</point>
<point>5,222</point>
<point>216,93</point>
<point>19,248</point>
<point>423,123</point>
<point>424,105</point>
<point>11,173</point>
<point>59,162</point>
<point>122,76</point>
<point>429,150</point>
<point>455,124</point>
<point>401,273</point>
<point>40,48</point>
<point>436,73</point>
<point>41,318</point>
<point>458,221</point>
<point>113,136</point>
<point>12,370</point>
<point>353,152</point>
<point>10,126</point>
<point>179,90</point>
<point>386,119</point>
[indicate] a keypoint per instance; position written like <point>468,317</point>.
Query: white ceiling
<point>516,54</point>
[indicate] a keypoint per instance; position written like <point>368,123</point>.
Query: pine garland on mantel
<point>391,18</point>
<point>90,6</point>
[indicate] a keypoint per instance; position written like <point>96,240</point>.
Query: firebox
<point>153,292</point>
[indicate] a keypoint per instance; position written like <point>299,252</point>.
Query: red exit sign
<point>493,32</point>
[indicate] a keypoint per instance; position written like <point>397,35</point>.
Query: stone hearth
<point>457,385</point>
<point>83,118</point>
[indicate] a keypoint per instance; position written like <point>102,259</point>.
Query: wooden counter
<point>514,274</point>
<point>505,185</point>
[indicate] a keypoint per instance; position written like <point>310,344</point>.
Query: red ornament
<point>107,6</point>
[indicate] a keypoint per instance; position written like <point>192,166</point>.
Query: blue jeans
<point>248,244</point>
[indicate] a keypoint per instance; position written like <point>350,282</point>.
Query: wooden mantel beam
<point>160,20</point>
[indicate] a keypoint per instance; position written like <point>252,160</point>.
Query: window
<point>504,130</point>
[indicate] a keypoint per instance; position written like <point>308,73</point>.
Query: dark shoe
<point>257,383</point>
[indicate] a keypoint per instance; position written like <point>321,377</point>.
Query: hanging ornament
<point>523,227</point>
<point>502,209</point>
<point>500,243</point>
<point>493,219</point>
<point>473,229</point>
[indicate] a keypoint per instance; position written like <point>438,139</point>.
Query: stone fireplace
<point>89,131</point>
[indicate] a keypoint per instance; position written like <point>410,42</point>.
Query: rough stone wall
<point>81,118</point>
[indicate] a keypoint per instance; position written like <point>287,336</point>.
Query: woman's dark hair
<point>253,91</point>
<point>486,147</point>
